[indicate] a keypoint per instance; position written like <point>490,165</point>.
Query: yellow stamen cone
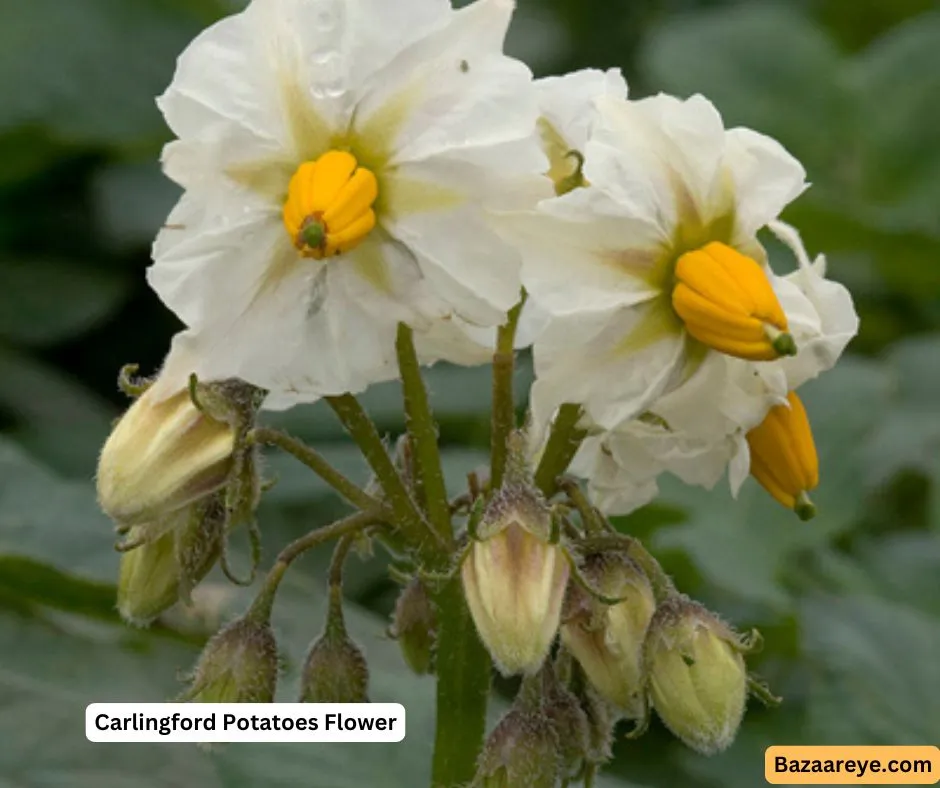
<point>783,456</point>
<point>726,302</point>
<point>329,205</point>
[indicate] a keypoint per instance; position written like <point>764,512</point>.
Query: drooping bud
<point>697,677</point>
<point>162,456</point>
<point>335,670</point>
<point>726,302</point>
<point>523,749</point>
<point>170,560</point>
<point>564,710</point>
<point>783,456</point>
<point>148,579</point>
<point>415,626</point>
<point>238,665</point>
<point>607,639</point>
<point>515,574</point>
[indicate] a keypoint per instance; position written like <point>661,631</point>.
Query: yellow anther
<point>783,456</point>
<point>726,302</point>
<point>329,205</point>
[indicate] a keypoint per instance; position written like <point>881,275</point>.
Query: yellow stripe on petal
<point>783,456</point>
<point>726,302</point>
<point>328,210</point>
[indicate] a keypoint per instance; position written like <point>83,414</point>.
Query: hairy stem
<point>421,427</point>
<point>504,406</point>
<point>463,687</point>
<point>563,443</point>
<point>317,463</point>
<point>346,527</point>
<point>408,518</point>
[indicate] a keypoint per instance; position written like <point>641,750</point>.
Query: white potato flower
<point>651,265</point>
<point>336,157</point>
<point>732,414</point>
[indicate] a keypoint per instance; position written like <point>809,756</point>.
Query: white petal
<point>662,156</point>
<point>591,359</point>
<point>571,267</point>
<point>766,179</point>
<point>567,102</point>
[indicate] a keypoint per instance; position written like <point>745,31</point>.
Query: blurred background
<point>849,603</point>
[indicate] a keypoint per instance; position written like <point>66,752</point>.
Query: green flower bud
<point>174,557</point>
<point>607,640</point>
<point>697,677</point>
<point>571,726</point>
<point>415,627</point>
<point>335,670</point>
<point>524,747</point>
<point>514,579</point>
<point>238,665</point>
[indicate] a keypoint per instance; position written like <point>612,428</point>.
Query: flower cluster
<point>369,187</point>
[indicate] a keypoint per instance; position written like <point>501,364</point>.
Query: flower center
<point>329,205</point>
<point>783,456</point>
<point>726,302</point>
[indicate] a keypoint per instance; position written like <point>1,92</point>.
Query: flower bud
<point>161,456</point>
<point>415,627</point>
<point>238,665</point>
<point>571,726</point>
<point>172,560</point>
<point>514,579</point>
<point>522,750</point>
<point>335,670</point>
<point>607,640</point>
<point>697,677</point>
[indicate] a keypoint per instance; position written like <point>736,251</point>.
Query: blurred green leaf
<point>54,416</point>
<point>761,64</point>
<point>744,546</point>
<point>874,666</point>
<point>47,301</point>
<point>898,80</point>
<point>87,71</point>
<point>131,202</point>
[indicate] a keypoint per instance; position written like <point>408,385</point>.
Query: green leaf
<point>898,80</point>
<point>764,65</point>
<point>54,416</point>
<point>87,71</point>
<point>45,301</point>
<point>131,202</point>
<point>744,546</point>
<point>874,668</point>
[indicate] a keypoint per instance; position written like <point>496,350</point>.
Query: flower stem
<point>317,463</point>
<point>408,518</point>
<point>463,687</point>
<point>563,443</point>
<point>344,528</point>
<point>421,427</point>
<point>504,406</point>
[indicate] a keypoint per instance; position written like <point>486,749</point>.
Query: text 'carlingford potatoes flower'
<point>336,157</point>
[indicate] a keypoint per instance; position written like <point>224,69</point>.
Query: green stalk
<point>317,463</point>
<point>421,427</point>
<point>563,444</point>
<point>408,518</point>
<point>463,688</point>
<point>504,406</point>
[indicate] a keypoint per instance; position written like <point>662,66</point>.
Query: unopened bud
<point>173,557</point>
<point>415,626</point>
<point>514,578</point>
<point>697,677</point>
<point>522,750</point>
<point>238,665</point>
<point>607,639</point>
<point>335,670</point>
<point>160,457</point>
<point>571,726</point>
